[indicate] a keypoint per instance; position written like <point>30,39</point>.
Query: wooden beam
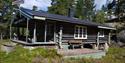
<point>45,32</point>
<point>109,38</point>
<point>11,26</point>
<point>60,36</point>
<point>97,46</point>
<point>39,18</point>
<point>55,32</point>
<point>34,33</point>
<point>25,14</point>
<point>11,30</point>
<point>27,27</point>
<point>18,32</point>
<point>98,38</point>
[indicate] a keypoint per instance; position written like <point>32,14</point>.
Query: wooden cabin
<point>36,28</point>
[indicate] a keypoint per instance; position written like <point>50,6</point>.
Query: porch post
<point>98,39</point>
<point>97,46</point>
<point>109,38</point>
<point>27,27</point>
<point>54,32</point>
<point>60,37</point>
<point>34,33</point>
<point>11,25</point>
<point>45,32</point>
<point>10,30</point>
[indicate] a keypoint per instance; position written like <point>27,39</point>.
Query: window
<point>80,32</point>
<point>101,33</point>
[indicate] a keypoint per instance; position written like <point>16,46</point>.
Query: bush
<point>19,55</point>
<point>41,55</point>
<point>22,55</point>
<point>115,55</point>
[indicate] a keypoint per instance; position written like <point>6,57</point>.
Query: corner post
<point>98,39</point>
<point>97,45</point>
<point>34,33</point>
<point>60,36</point>
<point>11,30</point>
<point>55,32</point>
<point>45,32</point>
<point>11,25</point>
<point>27,28</point>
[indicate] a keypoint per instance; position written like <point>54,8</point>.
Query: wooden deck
<point>35,43</point>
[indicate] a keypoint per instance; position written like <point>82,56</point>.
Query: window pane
<point>84,32</point>
<point>76,31</point>
<point>80,32</point>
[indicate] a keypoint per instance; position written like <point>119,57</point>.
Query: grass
<point>41,55</point>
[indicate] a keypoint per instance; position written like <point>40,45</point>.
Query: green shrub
<point>19,55</point>
<point>50,53</point>
<point>41,55</point>
<point>22,55</point>
<point>115,55</point>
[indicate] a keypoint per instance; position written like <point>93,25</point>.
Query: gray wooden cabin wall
<point>91,35</point>
<point>106,36</point>
<point>68,33</point>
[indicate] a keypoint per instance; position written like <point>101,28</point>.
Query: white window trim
<point>103,35</point>
<point>79,32</point>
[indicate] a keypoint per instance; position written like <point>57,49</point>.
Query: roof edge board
<point>25,14</point>
<point>103,27</point>
<point>39,18</point>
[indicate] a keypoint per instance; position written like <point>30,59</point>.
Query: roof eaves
<point>26,14</point>
<point>105,27</point>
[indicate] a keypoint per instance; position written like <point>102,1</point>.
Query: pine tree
<point>104,8</point>
<point>118,7</point>
<point>85,9</point>
<point>61,7</point>
<point>100,17</point>
<point>6,14</point>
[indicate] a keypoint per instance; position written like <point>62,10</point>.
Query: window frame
<point>78,32</point>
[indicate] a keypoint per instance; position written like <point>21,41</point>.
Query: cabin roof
<point>44,15</point>
<point>118,19</point>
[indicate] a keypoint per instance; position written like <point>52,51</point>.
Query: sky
<point>44,4</point>
<point>41,4</point>
<point>99,3</point>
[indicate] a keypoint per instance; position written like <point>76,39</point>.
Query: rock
<point>121,38</point>
<point>7,48</point>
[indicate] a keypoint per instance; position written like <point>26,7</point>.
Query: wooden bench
<point>75,42</point>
